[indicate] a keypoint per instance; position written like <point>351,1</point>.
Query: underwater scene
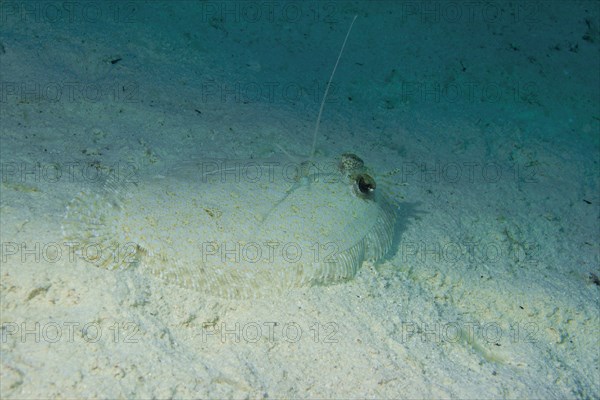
<point>300,199</point>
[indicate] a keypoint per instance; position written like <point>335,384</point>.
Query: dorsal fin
<point>316,132</point>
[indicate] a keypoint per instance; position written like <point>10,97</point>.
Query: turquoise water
<point>480,122</point>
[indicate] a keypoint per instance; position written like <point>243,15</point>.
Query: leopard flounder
<point>238,229</point>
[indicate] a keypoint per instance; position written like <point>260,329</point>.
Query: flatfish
<point>238,229</point>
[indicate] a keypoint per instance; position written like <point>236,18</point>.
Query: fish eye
<point>364,186</point>
<point>350,163</point>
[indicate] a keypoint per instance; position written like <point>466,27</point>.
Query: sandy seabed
<point>480,122</point>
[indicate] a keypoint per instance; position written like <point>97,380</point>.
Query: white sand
<point>487,293</point>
